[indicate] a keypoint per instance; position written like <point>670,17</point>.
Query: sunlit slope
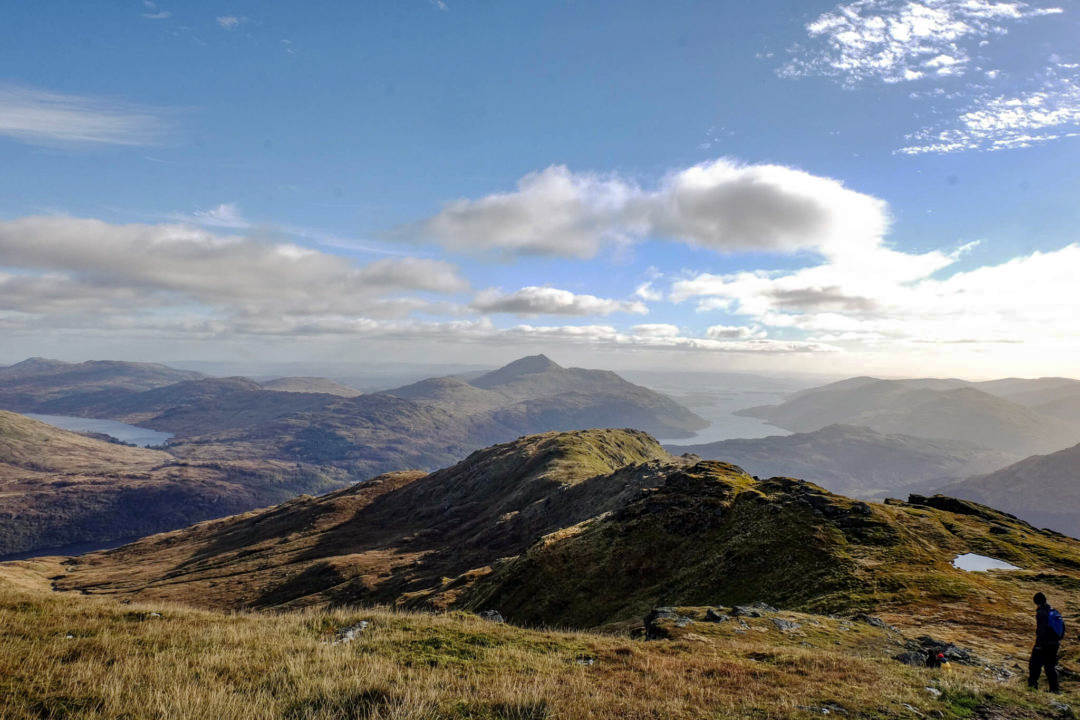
<point>593,528</point>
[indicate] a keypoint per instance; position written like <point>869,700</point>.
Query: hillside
<point>1042,490</point>
<point>854,461</point>
<point>26,385</point>
<point>916,408</point>
<point>59,487</point>
<point>590,529</point>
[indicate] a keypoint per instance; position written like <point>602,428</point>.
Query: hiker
<point>1049,629</point>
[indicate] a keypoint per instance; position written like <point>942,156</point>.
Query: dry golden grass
<point>69,656</point>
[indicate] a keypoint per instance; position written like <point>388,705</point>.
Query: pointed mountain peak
<point>531,365</point>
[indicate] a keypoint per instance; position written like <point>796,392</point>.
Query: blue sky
<point>874,185</point>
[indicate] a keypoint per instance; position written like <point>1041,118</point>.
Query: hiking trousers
<point>1043,657</point>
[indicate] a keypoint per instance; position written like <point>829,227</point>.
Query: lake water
<point>980,563</point>
<point>68,550</point>
<point>123,432</point>
<point>716,396</point>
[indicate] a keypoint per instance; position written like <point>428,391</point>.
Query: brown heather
<point>70,656</point>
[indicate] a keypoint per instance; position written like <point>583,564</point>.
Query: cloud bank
<point>85,268</point>
<point>719,205</point>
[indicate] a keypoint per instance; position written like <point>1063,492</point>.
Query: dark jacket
<point>1044,634</point>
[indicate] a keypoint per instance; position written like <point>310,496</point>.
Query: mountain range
<point>287,442</point>
<point>856,461</point>
<point>1042,489</point>
<point>937,409</point>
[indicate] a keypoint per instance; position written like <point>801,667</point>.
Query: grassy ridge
<point>73,656</point>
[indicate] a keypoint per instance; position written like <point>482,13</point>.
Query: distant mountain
<point>534,394</point>
<point>191,407</point>
<point>1029,392</point>
<point>579,529</point>
<point>1043,490</point>
<point>923,408</point>
<point>310,385</point>
<point>1065,405</point>
<point>25,385</point>
<point>855,461</point>
<point>425,425</point>
<point>59,487</point>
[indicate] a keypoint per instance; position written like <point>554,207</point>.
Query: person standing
<point>1047,643</point>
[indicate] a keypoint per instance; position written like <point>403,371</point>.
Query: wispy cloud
<point>228,215</point>
<point>1004,122</point>
<point>48,118</point>
<point>225,215</point>
<point>230,22</point>
<point>945,48</point>
<point>896,41</point>
<point>153,12</point>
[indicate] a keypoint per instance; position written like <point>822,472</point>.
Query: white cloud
<point>657,330</point>
<point>225,215</point>
<point>895,41</point>
<point>892,299</point>
<point>47,118</point>
<point>153,12</point>
<point>646,292</point>
<point>729,332</point>
<point>81,267</point>
<point>230,22</point>
<point>719,205</point>
<point>550,301</point>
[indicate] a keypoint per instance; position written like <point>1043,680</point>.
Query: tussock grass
<point>69,656</point>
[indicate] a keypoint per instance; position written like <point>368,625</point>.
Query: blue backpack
<point>1056,623</point>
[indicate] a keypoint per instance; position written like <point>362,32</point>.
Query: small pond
<point>980,563</point>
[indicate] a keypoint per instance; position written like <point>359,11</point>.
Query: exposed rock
<point>350,633</point>
<point>785,625</point>
<point>915,658</point>
<point>874,621</point>
<point>658,618</point>
<point>928,652</point>
<point>712,615</point>
<point>754,610</point>
<point>829,708</point>
<point>492,616</point>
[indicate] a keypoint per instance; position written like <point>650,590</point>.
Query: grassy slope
<point>72,656</point>
<point>561,529</point>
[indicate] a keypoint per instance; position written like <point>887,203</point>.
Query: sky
<point>872,186</point>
